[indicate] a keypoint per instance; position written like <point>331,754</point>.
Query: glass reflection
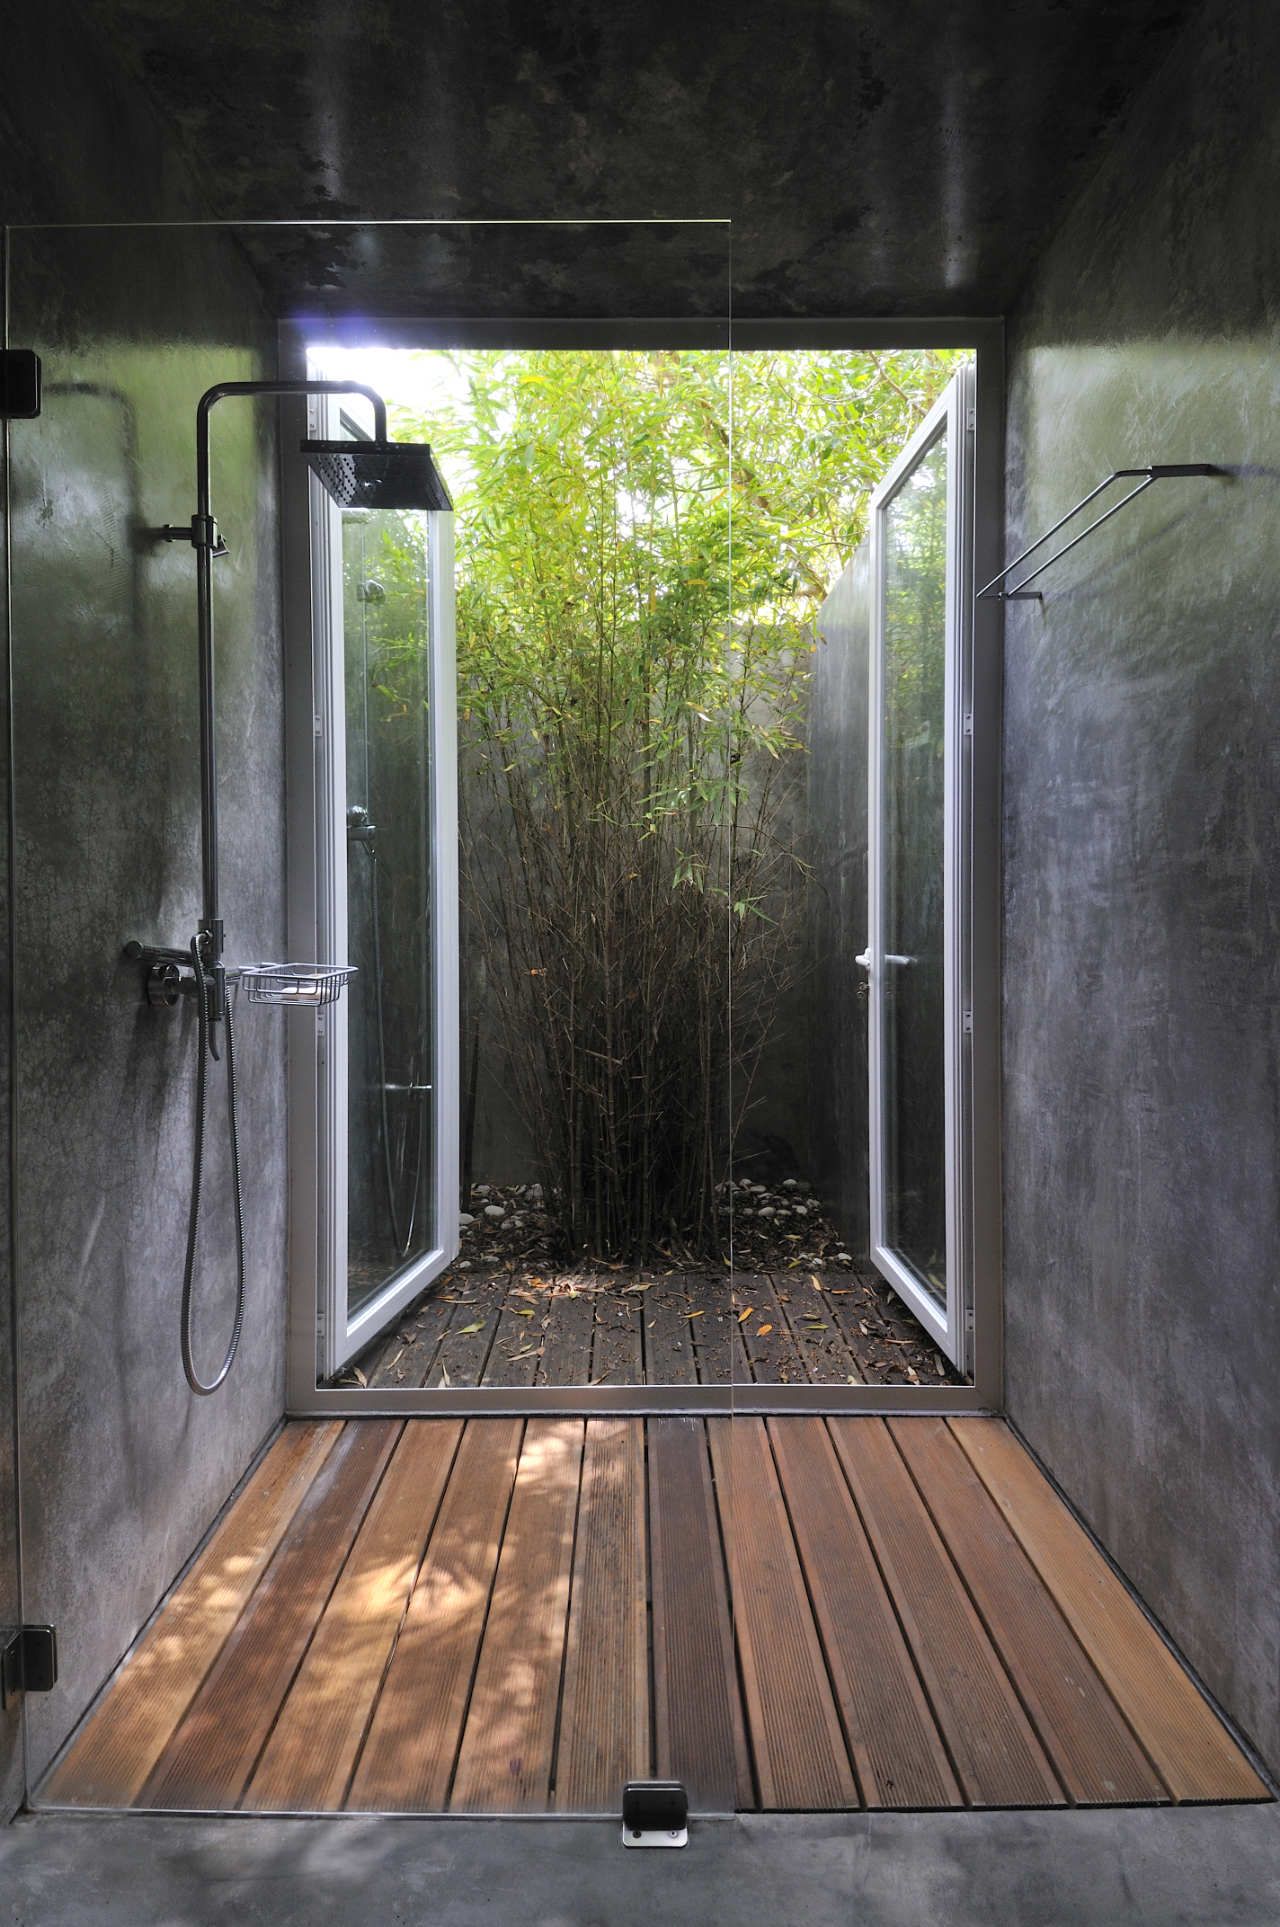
<point>915,604</point>
<point>386,647</point>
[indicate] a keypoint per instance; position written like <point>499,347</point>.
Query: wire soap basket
<point>293,984</point>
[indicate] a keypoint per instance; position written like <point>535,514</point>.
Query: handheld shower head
<point>378,474</point>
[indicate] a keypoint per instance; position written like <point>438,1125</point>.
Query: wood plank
<point>617,1356</point>
<point>462,1355</point>
<point>211,1756</point>
<point>670,1357</point>
<point>566,1344</point>
<point>1193,1752</point>
<point>820,1344</point>
<point>714,1335</point>
<point>698,1725</point>
<point>998,1758</point>
<point>604,1716</point>
<point>1095,1755</point>
<point>408,1352</point>
<point>842,1294</point>
<point>801,1758</point>
<point>111,1757</point>
<point>408,1758</point>
<point>505,1762</point>
<point>516,1351</point>
<point>771,1358</point>
<point>307,1762</point>
<point>893,1739</point>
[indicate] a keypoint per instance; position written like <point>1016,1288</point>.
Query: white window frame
<point>950,421</point>
<point>342,1334</point>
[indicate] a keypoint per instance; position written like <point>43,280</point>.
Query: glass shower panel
<point>390,1013</point>
<point>11,1762</point>
<point>136,327</point>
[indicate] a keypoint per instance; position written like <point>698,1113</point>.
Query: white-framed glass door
<point>921,545</point>
<point>387,1137</point>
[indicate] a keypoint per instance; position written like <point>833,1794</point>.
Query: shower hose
<point>207,1049</point>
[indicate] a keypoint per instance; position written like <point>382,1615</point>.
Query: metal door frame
<point>951,422</point>
<point>985,1393</point>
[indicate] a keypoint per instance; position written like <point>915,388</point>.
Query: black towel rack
<point>1157,472</point>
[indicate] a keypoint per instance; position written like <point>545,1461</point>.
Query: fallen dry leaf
<point>744,1315</point>
<point>764,1331</point>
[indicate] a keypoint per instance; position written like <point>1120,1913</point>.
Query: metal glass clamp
<point>655,1813</point>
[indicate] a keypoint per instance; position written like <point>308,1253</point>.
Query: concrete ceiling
<point>875,156</point>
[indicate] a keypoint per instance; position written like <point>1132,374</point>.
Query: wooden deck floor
<point>516,1615</point>
<point>672,1328</point>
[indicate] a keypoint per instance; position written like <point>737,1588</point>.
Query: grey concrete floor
<point>1189,1867</point>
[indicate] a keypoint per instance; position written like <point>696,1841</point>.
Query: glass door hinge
<point>19,384</point>
<point>967,1022</point>
<point>28,1661</point>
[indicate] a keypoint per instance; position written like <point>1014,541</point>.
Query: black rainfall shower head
<point>379,475</point>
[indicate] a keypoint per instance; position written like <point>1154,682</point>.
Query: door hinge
<point>966,1022</point>
<point>19,384</point>
<point>28,1661</point>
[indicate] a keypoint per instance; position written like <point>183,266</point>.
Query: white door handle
<point>864,959</point>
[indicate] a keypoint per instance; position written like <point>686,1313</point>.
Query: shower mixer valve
<point>169,975</point>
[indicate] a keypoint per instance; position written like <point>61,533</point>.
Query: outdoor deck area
<point>515,1616</point>
<point>522,1326</point>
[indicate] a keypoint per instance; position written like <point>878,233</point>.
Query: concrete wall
<point>1142,889</point>
<point>122,1468</point>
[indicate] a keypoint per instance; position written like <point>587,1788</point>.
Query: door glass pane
<point>914,765</point>
<point>390,1054</point>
